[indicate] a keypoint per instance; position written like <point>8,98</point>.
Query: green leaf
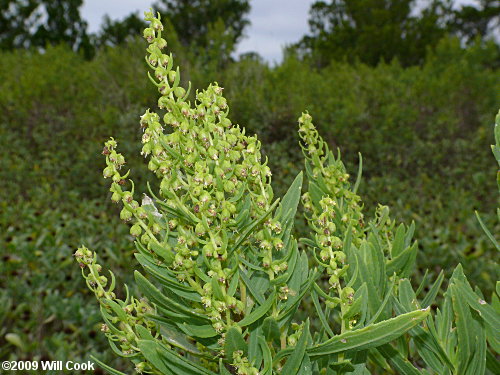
<point>250,287</point>
<point>398,244</point>
<point>465,335</point>
<point>254,224</point>
<point>433,291</point>
<point>369,336</point>
<point>293,364</point>
<point>271,329</point>
<point>168,361</point>
<point>361,300</point>
<point>148,350</point>
<point>268,359</point>
<point>321,314</point>
<point>288,208</point>
<point>407,296</point>
<point>477,365</point>
<point>254,350</point>
<point>155,296</point>
<point>383,305</point>
<point>427,342</point>
<point>403,263</point>
<point>217,289</point>
<point>117,309</point>
<point>259,312</point>
<point>233,284</point>
<point>366,276</point>
<point>492,363</point>
<point>397,361</point>
<point>360,173</point>
<point>234,341</point>
<point>108,369</point>
<point>222,368</point>
<point>143,332</point>
<point>289,308</point>
<point>163,252</point>
<point>163,276</point>
<point>487,232</point>
<point>488,313</point>
<point>202,331</point>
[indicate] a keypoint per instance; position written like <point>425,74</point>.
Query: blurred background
<point>412,85</point>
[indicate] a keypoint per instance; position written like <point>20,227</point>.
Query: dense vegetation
<point>424,130</point>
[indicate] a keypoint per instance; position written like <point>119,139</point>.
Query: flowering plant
<point>225,276</point>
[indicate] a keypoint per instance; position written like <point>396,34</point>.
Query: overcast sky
<point>274,23</point>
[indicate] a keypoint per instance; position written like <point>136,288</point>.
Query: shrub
<point>228,274</point>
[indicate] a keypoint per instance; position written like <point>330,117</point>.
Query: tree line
<point>369,31</point>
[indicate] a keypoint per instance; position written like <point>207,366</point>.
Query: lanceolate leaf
<point>369,336</point>
<point>288,207</point>
<point>403,263</point>
<point>159,298</point>
<point>292,365</point>
<point>433,291</point>
<point>107,368</point>
<point>465,333</point>
<point>168,361</point>
<point>259,312</point>
<point>254,224</point>
<point>399,241</point>
<point>397,361</point>
<point>234,341</point>
<point>488,233</point>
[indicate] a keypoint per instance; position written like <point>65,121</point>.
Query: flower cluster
<point>121,317</point>
<point>334,209</point>
<point>241,364</point>
<point>213,184</point>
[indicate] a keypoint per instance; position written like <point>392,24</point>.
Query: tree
<point>36,23</point>
<point>195,19</point>
<point>373,30</point>
<point>483,21</point>
<point>114,32</point>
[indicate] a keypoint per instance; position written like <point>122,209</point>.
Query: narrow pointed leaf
<point>369,336</point>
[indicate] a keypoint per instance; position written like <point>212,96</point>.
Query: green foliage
<point>44,312</point>
<point>372,31</point>
<point>424,133</point>
<point>37,23</point>
<point>472,21</point>
<point>115,32</point>
<point>225,276</point>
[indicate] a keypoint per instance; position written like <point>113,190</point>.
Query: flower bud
<point>199,229</point>
<point>136,230</point>
<point>179,92</point>
<point>108,171</point>
<point>127,196</point>
<point>229,186</point>
<point>145,239</point>
<point>161,43</point>
<point>333,281</point>
<point>125,214</point>
<point>332,303</point>
<point>155,228</point>
<point>163,60</point>
<point>115,197</point>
